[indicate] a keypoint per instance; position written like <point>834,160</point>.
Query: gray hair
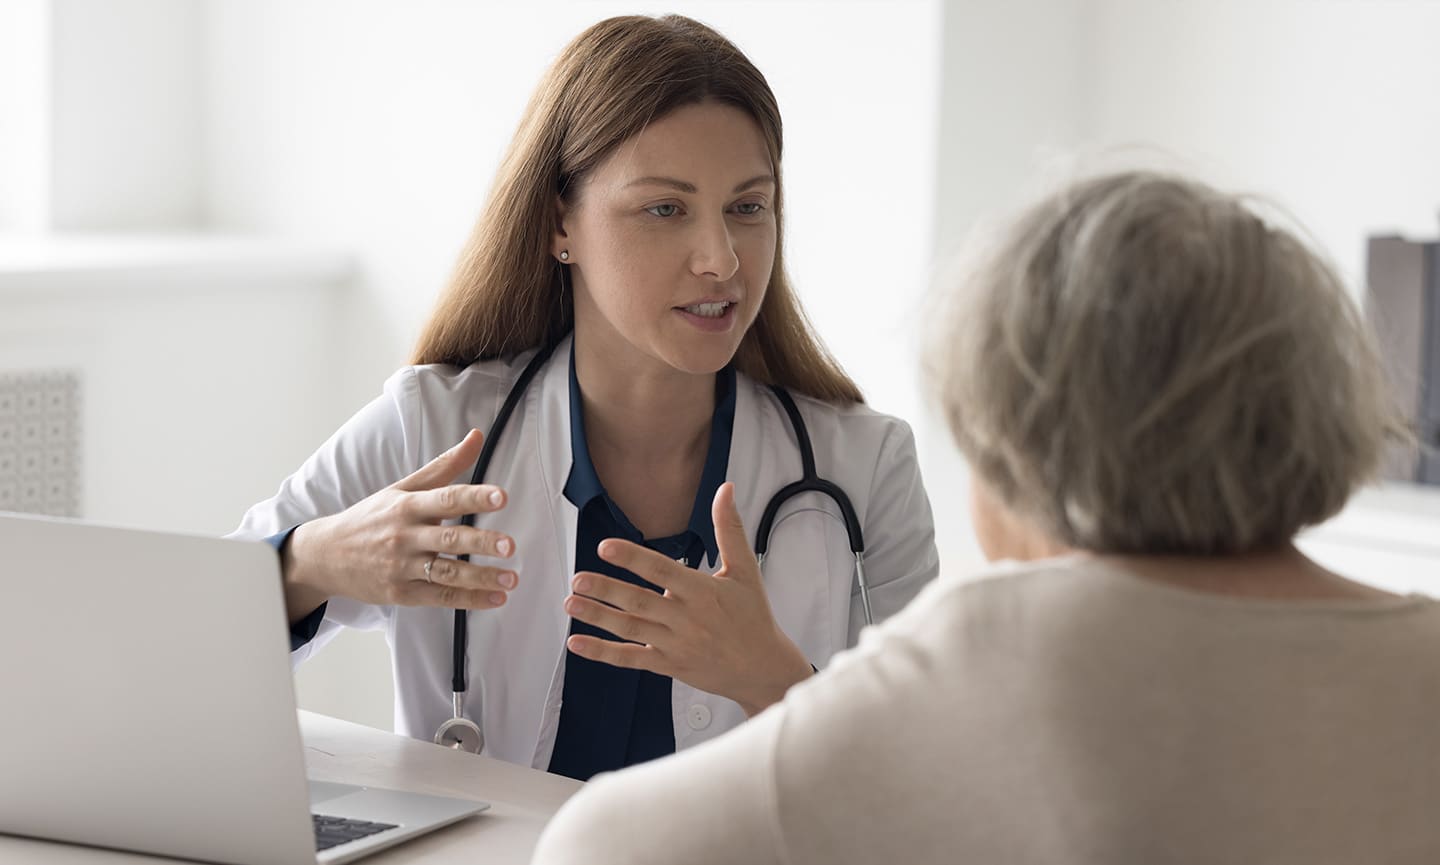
<point>1141,364</point>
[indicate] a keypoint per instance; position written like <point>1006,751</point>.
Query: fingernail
<point>582,584</point>
<point>504,546</point>
<point>497,598</point>
<point>508,580</point>
<point>571,605</point>
<point>496,498</point>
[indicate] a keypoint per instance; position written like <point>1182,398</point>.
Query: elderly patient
<point>1156,390</point>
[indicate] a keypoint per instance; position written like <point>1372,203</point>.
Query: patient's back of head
<point>1143,371</point>
<point>1141,364</point>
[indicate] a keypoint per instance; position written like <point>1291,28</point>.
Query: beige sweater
<point>1065,712</point>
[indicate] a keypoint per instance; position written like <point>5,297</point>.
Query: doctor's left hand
<point>712,632</point>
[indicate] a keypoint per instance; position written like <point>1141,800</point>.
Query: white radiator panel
<point>40,442</point>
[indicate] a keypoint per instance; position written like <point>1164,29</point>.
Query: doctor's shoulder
<point>853,432</point>
<point>439,403</point>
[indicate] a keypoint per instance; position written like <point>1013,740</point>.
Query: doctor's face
<point>671,242</point>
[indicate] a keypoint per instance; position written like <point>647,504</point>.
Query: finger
<point>627,655</point>
<point>645,563</point>
<point>736,555</point>
<point>618,622</point>
<point>636,600</point>
<point>423,594</point>
<point>446,467</point>
<point>464,540</point>
<point>456,500</point>
<point>452,573</point>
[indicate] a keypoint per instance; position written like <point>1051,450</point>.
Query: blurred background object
<point>1402,301</point>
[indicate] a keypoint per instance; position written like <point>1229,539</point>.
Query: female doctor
<point>610,336</point>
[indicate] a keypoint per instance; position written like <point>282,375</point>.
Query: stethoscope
<point>463,734</point>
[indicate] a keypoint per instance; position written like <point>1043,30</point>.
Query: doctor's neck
<point>644,411</point>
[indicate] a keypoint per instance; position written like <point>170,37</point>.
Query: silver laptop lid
<point>148,701</point>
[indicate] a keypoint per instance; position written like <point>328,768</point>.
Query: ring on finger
<point>430,564</point>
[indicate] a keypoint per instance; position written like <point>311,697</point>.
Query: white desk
<point>521,800</point>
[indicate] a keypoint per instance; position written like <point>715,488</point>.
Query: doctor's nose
<point>714,253</point>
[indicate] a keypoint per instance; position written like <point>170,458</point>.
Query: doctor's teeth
<point>708,310</point>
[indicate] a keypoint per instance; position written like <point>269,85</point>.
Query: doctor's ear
<point>560,242</point>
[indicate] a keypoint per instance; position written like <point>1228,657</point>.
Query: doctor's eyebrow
<point>681,185</point>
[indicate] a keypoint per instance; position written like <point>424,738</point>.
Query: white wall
<point>124,147</point>
<point>24,118</point>
<point>99,115</point>
<point>1328,108</point>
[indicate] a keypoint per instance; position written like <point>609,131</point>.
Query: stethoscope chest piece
<point>461,734</point>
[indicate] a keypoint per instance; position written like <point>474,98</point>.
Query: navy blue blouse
<point>612,717</point>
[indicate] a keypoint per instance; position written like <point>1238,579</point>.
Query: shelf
<point>110,262</point>
<point>1396,517</point>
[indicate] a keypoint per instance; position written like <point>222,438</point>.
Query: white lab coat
<point>517,653</point>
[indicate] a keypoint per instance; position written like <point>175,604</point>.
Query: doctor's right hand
<point>392,549</point>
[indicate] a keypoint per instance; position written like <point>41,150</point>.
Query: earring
<point>564,255</point>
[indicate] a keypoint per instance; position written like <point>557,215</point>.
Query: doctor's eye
<point>749,208</point>
<point>664,211</point>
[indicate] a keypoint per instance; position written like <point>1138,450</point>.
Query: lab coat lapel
<point>548,412</point>
<point>549,416</point>
<point>760,441</point>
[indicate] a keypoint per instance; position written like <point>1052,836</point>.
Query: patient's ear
<point>1004,534</point>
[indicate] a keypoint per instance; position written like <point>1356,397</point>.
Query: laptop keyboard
<point>333,831</point>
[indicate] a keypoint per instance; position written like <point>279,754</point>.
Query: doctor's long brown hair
<point>506,294</point>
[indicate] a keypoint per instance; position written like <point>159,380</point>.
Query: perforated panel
<point>40,413</point>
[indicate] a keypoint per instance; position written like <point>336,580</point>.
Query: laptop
<point>149,706</point>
